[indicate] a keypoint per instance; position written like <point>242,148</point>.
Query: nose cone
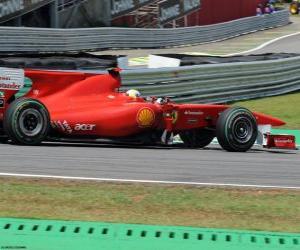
<point>263,119</point>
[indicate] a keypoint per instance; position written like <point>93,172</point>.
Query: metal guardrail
<point>57,235</point>
<point>24,39</point>
<point>218,82</point>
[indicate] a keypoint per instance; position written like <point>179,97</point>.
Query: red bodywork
<point>84,104</point>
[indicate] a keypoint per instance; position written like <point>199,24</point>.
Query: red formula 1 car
<point>84,106</point>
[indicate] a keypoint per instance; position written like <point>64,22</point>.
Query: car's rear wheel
<point>236,129</point>
<point>197,138</point>
<point>26,122</point>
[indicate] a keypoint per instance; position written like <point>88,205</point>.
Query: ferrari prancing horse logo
<point>145,117</point>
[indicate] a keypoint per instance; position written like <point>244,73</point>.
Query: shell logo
<point>145,117</point>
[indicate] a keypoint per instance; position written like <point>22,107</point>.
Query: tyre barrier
<point>59,61</point>
<point>217,83</point>
<point>24,39</point>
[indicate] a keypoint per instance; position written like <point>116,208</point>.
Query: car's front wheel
<point>236,129</point>
<point>26,121</point>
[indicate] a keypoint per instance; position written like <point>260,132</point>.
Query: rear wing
<point>45,81</point>
<point>11,81</point>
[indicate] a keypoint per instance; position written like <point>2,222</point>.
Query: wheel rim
<point>242,130</point>
<point>31,122</point>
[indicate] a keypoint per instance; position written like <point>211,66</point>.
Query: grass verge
<point>285,107</point>
<point>253,209</point>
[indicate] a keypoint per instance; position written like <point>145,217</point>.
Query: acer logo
<point>85,127</point>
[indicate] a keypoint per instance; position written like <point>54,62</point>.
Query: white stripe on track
<point>263,45</point>
<point>146,181</point>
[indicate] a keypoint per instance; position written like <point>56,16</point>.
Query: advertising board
<point>123,7</point>
<point>172,9</point>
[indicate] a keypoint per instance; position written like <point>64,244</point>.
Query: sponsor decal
<point>192,121</point>
<point>145,117</point>
<point>67,127</point>
<point>283,140</point>
<point>12,86</point>
<point>189,112</point>
<point>64,126</point>
<point>84,127</point>
<point>11,79</point>
<point>2,102</point>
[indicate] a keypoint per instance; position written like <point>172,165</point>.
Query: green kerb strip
<point>57,235</point>
<point>288,132</point>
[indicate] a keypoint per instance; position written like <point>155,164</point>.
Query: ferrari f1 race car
<point>84,106</point>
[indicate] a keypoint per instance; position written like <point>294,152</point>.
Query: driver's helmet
<point>133,93</point>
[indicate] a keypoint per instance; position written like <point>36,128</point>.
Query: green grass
<point>285,107</point>
<point>253,209</point>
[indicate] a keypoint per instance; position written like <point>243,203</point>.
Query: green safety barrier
<point>64,235</point>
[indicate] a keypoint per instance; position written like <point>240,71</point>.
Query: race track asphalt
<point>289,44</point>
<point>172,164</point>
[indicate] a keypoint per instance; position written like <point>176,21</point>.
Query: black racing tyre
<point>294,8</point>
<point>197,138</point>
<point>236,129</point>
<point>26,121</point>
